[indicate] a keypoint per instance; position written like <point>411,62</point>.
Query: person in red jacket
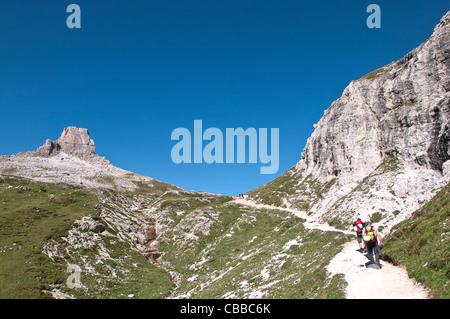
<point>358,226</point>
<point>374,243</point>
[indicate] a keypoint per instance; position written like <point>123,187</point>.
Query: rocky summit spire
<point>73,141</point>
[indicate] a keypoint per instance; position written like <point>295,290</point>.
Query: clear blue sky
<point>137,70</point>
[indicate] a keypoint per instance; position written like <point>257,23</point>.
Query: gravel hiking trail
<point>389,282</point>
<point>310,223</point>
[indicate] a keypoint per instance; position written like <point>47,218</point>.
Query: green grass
<point>377,73</point>
<point>33,214</point>
<point>245,251</point>
<point>421,243</point>
<point>290,183</point>
<point>153,187</point>
<point>273,192</point>
<point>135,275</point>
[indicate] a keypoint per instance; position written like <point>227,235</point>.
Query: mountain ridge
<point>383,148</point>
<point>72,159</point>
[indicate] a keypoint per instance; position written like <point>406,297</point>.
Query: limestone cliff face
<point>391,129</point>
<point>402,109</point>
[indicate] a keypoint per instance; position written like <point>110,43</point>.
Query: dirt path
<point>310,223</point>
<point>388,283</point>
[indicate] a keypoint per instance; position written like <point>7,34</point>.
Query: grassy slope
<point>32,213</point>
<point>421,244</point>
<point>305,190</point>
<point>245,255</point>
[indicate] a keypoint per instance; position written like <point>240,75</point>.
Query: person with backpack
<point>358,226</point>
<point>374,243</point>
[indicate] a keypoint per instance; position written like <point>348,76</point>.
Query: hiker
<point>373,242</point>
<point>358,226</point>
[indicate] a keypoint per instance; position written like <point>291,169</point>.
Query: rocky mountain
<point>383,148</point>
<point>72,159</point>
<point>380,151</point>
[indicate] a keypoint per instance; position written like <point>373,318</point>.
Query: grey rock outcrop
<point>87,223</point>
<point>73,141</point>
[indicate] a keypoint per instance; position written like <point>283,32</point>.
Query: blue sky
<point>137,70</point>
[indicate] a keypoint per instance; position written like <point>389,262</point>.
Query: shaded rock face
<point>73,141</point>
<point>402,109</point>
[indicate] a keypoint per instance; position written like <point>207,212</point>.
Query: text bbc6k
<point>247,308</point>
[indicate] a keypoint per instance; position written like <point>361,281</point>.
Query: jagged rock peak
<point>444,22</point>
<point>73,141</point>
<point>401,110</point>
